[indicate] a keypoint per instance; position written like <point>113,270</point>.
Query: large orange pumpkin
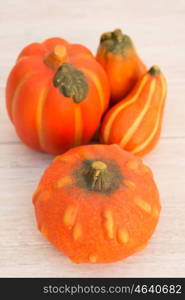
<point>135,122</point>
<point>97,203</point>
<point>56,94</point>
<point>117,54</point>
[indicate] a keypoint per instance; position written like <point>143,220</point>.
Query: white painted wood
<point>157,28</point>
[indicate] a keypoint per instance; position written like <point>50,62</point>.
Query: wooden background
<point>158,29</point>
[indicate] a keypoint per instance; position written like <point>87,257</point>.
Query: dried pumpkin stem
<point>154,70</point>
<point>98,176</point>
<point>115,41</point>
<point>56,57</point>
<point>71,82</point>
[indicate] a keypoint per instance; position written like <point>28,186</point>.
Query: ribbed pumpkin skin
<point>44,119</point>
<point>97,226</point>
<point>123,69</point>
<point>135,122</point>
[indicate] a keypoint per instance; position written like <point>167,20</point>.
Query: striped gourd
<point>135,122</point>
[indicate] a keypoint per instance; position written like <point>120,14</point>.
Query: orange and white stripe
<point>16,93</point>
<point>77,110</point>
<point>39,112</point>
<point>98,86</point>
<point>20,58</point>
<point>158,120</point>
<point>78,125</point>
<point>125,104</point>
<point>128,135</point>
<point>39,117</point>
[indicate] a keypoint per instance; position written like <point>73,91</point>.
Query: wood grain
<point>157,28</point>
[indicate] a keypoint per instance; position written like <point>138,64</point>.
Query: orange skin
<point>135,122</point>
<point>43,117</point>
<point>96,226</point>
<point>123,70</point>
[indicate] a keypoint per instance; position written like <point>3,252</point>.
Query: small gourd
<point>117,54</point>
<point>135,122</point>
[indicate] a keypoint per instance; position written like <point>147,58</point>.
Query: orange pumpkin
<point>118,56</point>
<point>97,203</point>
<point>56,94</point>
<point>135,122</point>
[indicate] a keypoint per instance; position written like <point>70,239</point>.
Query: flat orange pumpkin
<point>97,204</point>
<point>56,94</point>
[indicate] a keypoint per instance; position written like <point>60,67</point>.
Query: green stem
<point>71,82</point>
<point>98,177</point>
<point>115,41</point>
<point>154,70</point>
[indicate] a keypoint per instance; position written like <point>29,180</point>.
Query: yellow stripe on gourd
<point>154,131</point>
<point>92,258</point>
<point>78,125</point>
<point>77,231</point>
<point>39,117</point>
<point>98,85</point>
<point>140,117</point>
<point>16,92</point>
<point>66,180</point>
<point>69,217</point>
<point>142,204</point>
<point>108,224</point>
<point>123,236</point>
<point>22,58</point>
<point>120,108</point>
